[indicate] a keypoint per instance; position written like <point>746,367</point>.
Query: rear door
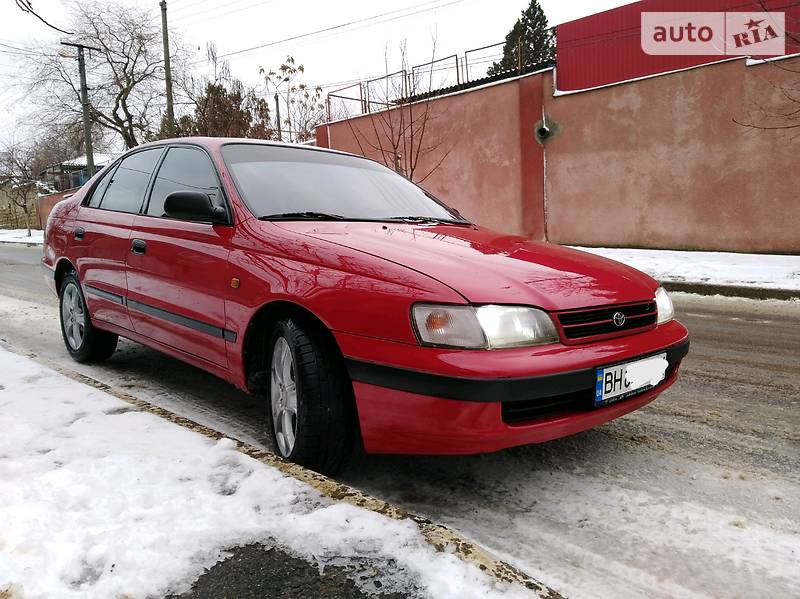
<point>101,235</point>
<point>178,269</point>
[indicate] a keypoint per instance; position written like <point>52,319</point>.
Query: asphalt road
<point>695,495</point>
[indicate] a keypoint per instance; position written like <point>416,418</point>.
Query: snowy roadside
<point>21,236</point>
<point>103,500</point>
<point>766,271</point>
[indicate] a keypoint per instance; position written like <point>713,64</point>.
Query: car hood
<point>488,267</point>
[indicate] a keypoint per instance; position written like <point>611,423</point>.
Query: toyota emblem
<point>619,319</point>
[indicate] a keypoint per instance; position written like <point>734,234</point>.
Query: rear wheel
<point>310,416</point>
<point>84,342</point>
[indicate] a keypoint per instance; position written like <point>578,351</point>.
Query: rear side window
<point>129,182</point>
<point>100,189</point>
<point>183,169</point>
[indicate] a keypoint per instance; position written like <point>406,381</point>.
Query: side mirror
<point>193,205</point>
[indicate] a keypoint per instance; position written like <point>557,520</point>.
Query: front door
<point>101,233</point>
<point>177,269</point>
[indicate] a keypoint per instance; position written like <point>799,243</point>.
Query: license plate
<point>614,383</point>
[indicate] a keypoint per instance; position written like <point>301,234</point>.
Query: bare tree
<point>782,111</point>
<point>125,78</point>
<point>222,105</point>
<point>18,178</point>
<point>303,106</point>
<point>399,133</point>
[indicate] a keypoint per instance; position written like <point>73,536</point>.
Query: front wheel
<point>84,342</point>
<point>310,416</point>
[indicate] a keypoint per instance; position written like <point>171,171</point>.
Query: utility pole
<point>167,70</point>
<point>278,116</point>
<point>87,124</point>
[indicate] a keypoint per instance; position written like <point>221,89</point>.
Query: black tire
<point>94,345</point>
<point>325,418</point>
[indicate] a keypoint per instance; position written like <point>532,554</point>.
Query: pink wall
<point>44,204</point>
<point>655,163</point>
<point>661,163</point>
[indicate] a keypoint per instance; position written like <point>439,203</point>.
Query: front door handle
<point>138,247</point>
<point>79,231</point>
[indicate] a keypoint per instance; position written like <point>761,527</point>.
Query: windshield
<point>297,184</point>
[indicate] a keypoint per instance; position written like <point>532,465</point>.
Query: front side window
<point>279,182</point>
<point>183,169</point>
<point>128,183</point>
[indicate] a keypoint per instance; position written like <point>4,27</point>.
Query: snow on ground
<point>101,500</point>
<point>714,268</point>
<point>21,236</point>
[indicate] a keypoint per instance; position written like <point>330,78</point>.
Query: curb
<point>22,243</point>
<point>437,535</point>
<point>759,293</point>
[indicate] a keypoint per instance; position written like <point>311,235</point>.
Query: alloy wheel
<point>73,316</point>
<point>283,396</point>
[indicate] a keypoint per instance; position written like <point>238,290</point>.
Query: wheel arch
<point>254,347</point>
<point>63,266</point>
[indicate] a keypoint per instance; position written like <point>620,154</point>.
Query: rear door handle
<point>79,231</point>
<point>138,247</point>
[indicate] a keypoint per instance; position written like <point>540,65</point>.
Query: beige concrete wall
<point>661,163</point>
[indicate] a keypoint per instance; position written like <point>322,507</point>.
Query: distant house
<point>72,173</point>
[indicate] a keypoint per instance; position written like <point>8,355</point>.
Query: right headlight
<point>666,311</point>
<point>482,327</point>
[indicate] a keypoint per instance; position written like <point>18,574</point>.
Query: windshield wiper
<point>428,219</point>
<point>307,215</point>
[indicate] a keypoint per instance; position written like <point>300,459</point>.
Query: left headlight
<point>666,311</point>
<point>482,327</point>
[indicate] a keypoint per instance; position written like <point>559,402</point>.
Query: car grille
<point>590,322</point>
<point>515,412</point>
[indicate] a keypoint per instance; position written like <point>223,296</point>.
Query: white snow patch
<point>21,236</point>
<point>100,500</point>
<point>773,271</point>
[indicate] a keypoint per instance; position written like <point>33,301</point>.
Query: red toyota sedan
<point>361,308</point>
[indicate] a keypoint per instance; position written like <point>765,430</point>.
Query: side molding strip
<point>197,325</point>
<point>113,297</point>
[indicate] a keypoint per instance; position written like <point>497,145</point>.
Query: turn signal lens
<point>437,322</point>
<point>453,326</point>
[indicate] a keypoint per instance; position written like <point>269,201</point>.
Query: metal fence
<point>423,80</point>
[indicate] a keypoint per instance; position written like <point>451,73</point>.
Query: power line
<point>347,24</point>
<point>183,6</point>
<point>19,49</point>
<point>191,7</point>
<point>192,21</point>
<point>25,6</point>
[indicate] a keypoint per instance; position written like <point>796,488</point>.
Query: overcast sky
<point>347,53</point>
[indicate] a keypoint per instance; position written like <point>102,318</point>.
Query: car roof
<point>216,142</point>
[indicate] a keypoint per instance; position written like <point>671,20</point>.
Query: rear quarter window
<point>128,183</point>
<point>100,189</point>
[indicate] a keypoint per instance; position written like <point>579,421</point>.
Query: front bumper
<point>417,400</point>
